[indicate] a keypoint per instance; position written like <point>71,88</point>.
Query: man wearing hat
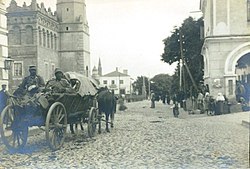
<point>3,97</point>
<point>59,84</point>
<point>32,83</point>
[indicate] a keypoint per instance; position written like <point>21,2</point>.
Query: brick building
<point>38,36</point>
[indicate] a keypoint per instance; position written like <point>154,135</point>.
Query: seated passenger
<point>59,84</point>
<point>30,84</point>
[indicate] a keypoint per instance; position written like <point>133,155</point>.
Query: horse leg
<point>107,122</point>
<point>81,126</point>
<point>112,119</point>
<point>71,129</point>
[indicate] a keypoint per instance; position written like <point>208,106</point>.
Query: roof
<point>115,74</point>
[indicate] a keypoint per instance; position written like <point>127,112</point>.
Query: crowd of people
<point>204,102</point>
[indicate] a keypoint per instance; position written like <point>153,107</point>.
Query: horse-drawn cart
<point>51,110</point>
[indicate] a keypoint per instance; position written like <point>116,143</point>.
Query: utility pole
<point>181,63</point>
<point>143,87</point>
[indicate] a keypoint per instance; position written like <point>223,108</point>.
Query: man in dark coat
<point>59,84</point>
<point>31,84</point>
<point>3,97</point>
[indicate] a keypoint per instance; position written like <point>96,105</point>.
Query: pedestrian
<point>219,104</point>
<point>239,91</point>
<point>3,97</point>
<point>168,99</point>
<point>163,98</point>
<point>59,84</point>
<point>152,98</point>
<point>121,103</point>
<point>176,109</point>
<point>30,84</point>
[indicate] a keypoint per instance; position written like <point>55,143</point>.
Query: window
<point>248,10</point>
<point>29,35</point>
<point>18,69</point>
<point>67,28</point>
<point>46,71</point>
<point>121,82</point>
<point>105,82</point>
<point>67,9</point>
<point>112,82</point>
<point>52,70</point>
<point>230,87</point>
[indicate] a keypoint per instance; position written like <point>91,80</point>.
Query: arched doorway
<point>237,68</point>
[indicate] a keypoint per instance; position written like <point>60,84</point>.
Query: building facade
<point>3,44</point>
<point>118,82</point>
<point>38,36</point>
<point>226,44</point>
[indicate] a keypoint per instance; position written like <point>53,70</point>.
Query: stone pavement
<point>145,138</point>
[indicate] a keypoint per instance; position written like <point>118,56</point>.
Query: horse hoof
<point>99,132</point>
<point>112,126</point>
<point>108,130</point>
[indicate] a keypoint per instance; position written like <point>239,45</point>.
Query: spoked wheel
<point>14,133</point>
<point>56,125</point>
<point>92,122</point>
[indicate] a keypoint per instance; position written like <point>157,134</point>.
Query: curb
<point>246,123</point>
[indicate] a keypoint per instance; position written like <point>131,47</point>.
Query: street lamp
<point>8,63</point>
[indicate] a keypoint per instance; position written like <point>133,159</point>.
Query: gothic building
<point>38,36</point>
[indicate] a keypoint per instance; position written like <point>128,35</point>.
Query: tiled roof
<point>115,74</point>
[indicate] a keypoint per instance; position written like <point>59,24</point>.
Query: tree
<point>189,32</point>
<point>160,84</point>
<point>137,85</point>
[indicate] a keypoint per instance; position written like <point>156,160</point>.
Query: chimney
<point>125,71</point>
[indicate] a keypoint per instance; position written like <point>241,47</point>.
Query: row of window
<point>16,37</point>
<point>18,70</point>
<point>112,82</point>
<point>47,39</point>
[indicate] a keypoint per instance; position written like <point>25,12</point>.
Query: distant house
<point>119,82</point>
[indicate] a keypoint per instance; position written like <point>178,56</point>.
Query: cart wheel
<point>56,125</point>
<point>14,135</point>
<point>92,122</point>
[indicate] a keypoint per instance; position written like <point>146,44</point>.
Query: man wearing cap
<point>59,84</point>
<point>3,97</point>
<point>32,83</point>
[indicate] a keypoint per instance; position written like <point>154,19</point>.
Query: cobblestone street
<point>144,138</point>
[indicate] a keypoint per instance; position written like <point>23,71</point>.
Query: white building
<point>3,44</point>
<point>226,44</point>
<point>119,82</point>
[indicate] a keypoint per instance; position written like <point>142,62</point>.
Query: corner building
<point>38,36</point>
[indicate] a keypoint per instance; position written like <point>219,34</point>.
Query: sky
<point>128,34</point>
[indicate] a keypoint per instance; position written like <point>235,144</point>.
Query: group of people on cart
<point>34,83</point>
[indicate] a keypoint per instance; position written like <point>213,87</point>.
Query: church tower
<point>99,68</point>
<point>74,52</point>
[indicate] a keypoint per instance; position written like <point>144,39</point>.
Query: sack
<point>43,101</point>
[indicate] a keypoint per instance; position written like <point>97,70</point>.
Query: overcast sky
<point>128,34</point>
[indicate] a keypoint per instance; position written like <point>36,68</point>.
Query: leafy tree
<point>137,85</point>
<point>189,34</point>
<point>160,84</point>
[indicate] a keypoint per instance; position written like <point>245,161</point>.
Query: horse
<point>107,104</point>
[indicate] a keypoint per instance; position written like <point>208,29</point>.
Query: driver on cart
<point>59,84</point>
<point>31,84</point>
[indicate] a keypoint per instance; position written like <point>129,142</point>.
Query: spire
<point>99,67</point>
